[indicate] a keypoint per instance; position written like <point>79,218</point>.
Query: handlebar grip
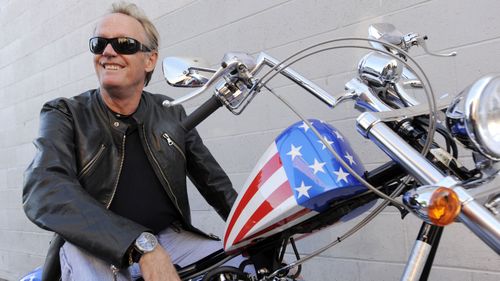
<point>201,113</point>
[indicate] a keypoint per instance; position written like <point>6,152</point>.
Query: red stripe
<point>278,196</point>
<point>262,176</point>
<point>282,222</point>
<point>278,224</point>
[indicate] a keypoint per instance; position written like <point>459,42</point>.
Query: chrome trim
<point>477,218</point>
<point>416,262</point>
<point>473,104</point>
<point>379,69</point>
<point>218,74</point>
<point>399,87</point>
<point>419,201</point>
<point>365,97</point>
<point>183,71</point>
<point>493,205</point>
<point>400,151</point>
<point>420,109</point>
<point>386,32</point>
<point>306,84</point>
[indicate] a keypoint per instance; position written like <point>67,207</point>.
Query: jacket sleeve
<point>207,175</point>
<point>54,199</point>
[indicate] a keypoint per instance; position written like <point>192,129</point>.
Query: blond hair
<point>152,35</point>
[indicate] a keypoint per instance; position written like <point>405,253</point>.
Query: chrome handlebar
<point>306,84</point>
<point>233,60</point>
<point>374,70</point>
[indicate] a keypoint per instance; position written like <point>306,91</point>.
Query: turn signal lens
<point>444,206</point>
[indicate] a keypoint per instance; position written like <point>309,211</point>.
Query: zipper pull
<point>169,140</point>
<point>115,272</point>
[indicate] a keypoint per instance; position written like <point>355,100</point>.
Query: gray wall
<point>43,55</point>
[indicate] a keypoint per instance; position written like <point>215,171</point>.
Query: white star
<point>350,158</point>
<point>341,175</point>
<point>294,151</point>
<point>327,141</point>
<point>317,166</point>
<point>339,136</point>
<point>302,189</point>
<point>304,126</point>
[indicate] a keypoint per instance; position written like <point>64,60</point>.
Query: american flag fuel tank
<point>294,180</point>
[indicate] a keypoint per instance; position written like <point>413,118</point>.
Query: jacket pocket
<point>171,142</point>
<point>89,167</point>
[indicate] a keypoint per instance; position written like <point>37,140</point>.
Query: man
<point>110,168</point>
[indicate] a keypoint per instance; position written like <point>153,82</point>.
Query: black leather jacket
<point>72,180</point>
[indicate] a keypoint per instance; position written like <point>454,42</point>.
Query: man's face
<point>122,72</point>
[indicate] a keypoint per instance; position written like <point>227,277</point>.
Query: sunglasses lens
<point>127,46</point>
<point>97,45</point>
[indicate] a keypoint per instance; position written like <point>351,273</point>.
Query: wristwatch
<point>145,243</point>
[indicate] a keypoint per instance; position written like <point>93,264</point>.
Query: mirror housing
<point>379,69</point>
<point>185,71</point>
<point>385,32</point>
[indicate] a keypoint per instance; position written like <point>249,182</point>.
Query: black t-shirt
<point>140,196</point>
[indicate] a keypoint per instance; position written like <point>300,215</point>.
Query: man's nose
<point>108,50</point>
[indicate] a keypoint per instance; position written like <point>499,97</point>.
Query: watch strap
<point>134,255</point>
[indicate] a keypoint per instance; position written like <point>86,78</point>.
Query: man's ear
<point>151,61</point>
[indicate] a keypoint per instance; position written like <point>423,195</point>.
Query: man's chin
<point>112,89</point>
<point>109,84</point>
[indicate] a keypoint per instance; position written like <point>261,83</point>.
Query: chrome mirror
<point>185,72</point>
<point>379,69</point>
<point>385,32</point>
<point>474,116</point>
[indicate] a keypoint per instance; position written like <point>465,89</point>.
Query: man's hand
<point>157,266</point>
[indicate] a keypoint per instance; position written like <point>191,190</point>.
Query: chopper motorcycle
<point>310,178</point>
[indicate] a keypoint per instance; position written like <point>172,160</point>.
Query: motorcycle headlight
<point>474,116</point>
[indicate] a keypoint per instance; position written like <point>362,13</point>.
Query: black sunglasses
<point>121,45</point>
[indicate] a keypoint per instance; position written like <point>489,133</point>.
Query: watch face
<point>146,242</point>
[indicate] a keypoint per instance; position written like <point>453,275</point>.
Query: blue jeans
<point>184,248</point>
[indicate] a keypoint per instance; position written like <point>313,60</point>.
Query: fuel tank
<point>295,179</point>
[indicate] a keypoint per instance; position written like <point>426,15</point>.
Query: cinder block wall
<point>44,54</point>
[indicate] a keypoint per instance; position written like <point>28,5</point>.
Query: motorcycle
<point>310,178</point>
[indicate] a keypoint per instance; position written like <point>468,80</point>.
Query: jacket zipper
<point>115,271</point>
<point>161,171</point>
<point>92,162</point>
<point>171,142</point>
<point>119,172</point>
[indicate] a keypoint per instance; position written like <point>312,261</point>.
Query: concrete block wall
<point>44,54</point>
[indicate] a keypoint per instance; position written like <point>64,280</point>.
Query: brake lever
<point>424,46</point>
<point>414,39</point>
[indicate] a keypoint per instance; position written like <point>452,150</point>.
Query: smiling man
<point>109,175</point>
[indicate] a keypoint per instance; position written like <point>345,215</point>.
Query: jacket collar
<point>115,122</point>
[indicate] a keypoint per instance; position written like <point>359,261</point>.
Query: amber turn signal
<point>444,206</point>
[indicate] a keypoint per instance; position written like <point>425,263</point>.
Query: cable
<point>431,99</point>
